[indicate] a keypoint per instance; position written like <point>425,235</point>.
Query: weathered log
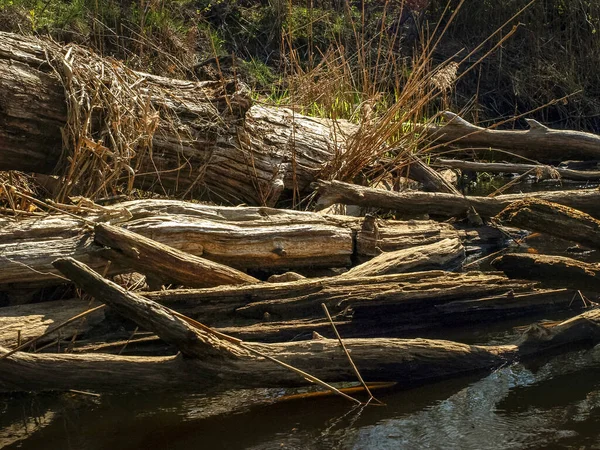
<point>242,238</point>
<point>552,271</point>
<point>442,255</point>
<point>251,156</point>
<point>409,292</point>
<point>238,364</point>
<point>432,181</point>
<point>447,205</point>
<point>541,172</point>
<point>167,263</point>
<point>553,219</point>
<point>539,142</point>
<point>32,321</point>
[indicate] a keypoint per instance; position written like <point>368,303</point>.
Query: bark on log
<point>211,359</point>
<point>442,255</point>
<point>448,205</point>
<point>539,142</point>
<point>243,238</point>
<point>553,219</point>
<point>253,156</point>
<point>540,171</point>
<point>551,271</point>
<point>169,264</point>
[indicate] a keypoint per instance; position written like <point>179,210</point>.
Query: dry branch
<point>539,142</point>
<point>449,205</point>
<point>540,171</point>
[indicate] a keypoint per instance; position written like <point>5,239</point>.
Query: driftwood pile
<point>156,293</point>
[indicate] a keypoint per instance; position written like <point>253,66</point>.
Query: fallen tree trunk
<point>208,140</point>
<point>167,263</point>
<point>553,219</point>
<point>448,205</point>
<point>539,142</point>
<point>540,171</point>
<point>555,271</point>
<point>210,358</point>
<point>243,238</point>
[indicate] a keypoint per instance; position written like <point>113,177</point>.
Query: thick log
<point>242,238</point>
<point>541,172</point>
<point>442,255</point>
<point>405,360</point>
<point>447,205</point>
<point>218,149</point>
<point>539,142</point>
<point>552,271</point>
<point>553,219</point>
<point>167,263</point>
<point>32,321</point>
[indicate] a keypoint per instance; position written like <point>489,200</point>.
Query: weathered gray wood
<point>300,299</point>
<point>448,205</point>
<point>442,255</point>
<point>220,149</point>
<point>169,264</point>
<point>34,320</point>
<point>553,219</point>
<point>553,271</point>
<point>541,172</point>
<point>148,315</point>
<point>539,142</point>
<point>242,238</point>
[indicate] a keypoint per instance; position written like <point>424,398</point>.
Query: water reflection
<point>550,403</point>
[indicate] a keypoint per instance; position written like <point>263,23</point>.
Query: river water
<point>551,402</point>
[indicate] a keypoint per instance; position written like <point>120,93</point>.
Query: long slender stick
<point>58,327</point>
<point>356,371</point>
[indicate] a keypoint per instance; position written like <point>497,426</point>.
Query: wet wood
<point>447,205</point>
<point>169,264</point>
<point>556,271</point>
<point>553,219</point>
<point>541,172</point>
<point>538,142</point>
<point>442,255</point>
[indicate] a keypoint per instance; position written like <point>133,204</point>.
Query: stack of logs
<point>199,294</point>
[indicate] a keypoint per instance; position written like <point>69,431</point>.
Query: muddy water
<point>553,402</point>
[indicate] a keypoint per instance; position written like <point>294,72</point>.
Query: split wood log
<point>541,172</point>
<point>208,358</point>
<point>447,205</point>
<point>220,148</point>
<point>442,255</point>
<point>553,219</point>
<point>555,271</point>
<point>407,292</point>
<point>169,264</point>
<point>32,321</point>
<point>539,142</point>
<point>265,238</point>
